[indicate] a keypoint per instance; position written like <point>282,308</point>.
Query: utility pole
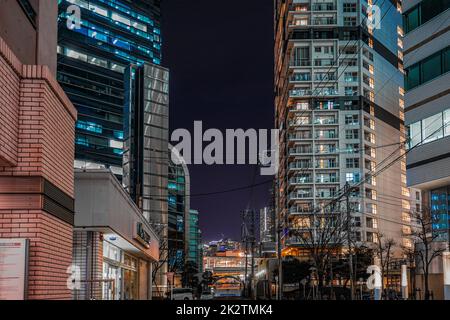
<point>347,190</point>
<point>279,228</point>
<point>249,240</point>
<point>244,240</point>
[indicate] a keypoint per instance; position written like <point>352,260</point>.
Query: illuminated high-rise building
<point>92,60</point>
<point>339,107</point>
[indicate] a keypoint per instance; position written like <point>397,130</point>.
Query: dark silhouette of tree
<point>426,247</point>
<point>323,235</point>
<point>384,251</point>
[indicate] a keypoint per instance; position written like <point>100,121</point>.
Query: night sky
<point>220,54</point>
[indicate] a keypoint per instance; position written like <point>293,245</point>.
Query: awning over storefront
<point>101,204</point>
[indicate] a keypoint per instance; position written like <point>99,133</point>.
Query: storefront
<point>114,246</point>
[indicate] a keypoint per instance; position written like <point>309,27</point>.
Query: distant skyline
<point>221,62</point>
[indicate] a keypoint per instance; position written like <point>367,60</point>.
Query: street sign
<point>13,268</point>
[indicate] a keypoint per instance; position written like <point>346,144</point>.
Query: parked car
<point>182,294</point>
<point>207,295</point>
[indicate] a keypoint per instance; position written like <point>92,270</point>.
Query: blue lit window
<point>89,126</point>
<point>121,44</point>
<point>96,35</point>
<point>118,134</point>
<point>172,186</point>
<point>82,141</point>
<point>172,200</point>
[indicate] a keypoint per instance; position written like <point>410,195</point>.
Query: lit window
<point>118,18</point>
<point>140,26</point>
<point>116,144</point>
<point>76,55</point>
<point>99,10</point>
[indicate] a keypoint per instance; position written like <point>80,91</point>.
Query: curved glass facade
<point>91,63</point>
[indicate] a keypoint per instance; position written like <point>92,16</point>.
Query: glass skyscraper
<point>178,215</point>
<point>92,60</point>
<point>195,240</point>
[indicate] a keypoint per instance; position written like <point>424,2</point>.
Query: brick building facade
<point>36,171</point>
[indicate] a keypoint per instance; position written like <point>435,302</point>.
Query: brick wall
<point>36,140</point>
<point>45,144</point>
<point>9,110</point>
<point>50,250</point>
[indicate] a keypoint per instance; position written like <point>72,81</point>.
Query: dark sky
<point>220,54</point>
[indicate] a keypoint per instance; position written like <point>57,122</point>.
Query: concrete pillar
<point>404,281</point>
<point>446,269</point>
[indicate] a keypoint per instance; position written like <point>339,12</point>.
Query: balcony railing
<point>300,92</point>
<point>301,195</point>
<point>294,151</point>
<point>295,165</point>
<point>301,77</point>
<point>300,181</point>
<point>324,21</point>
<point>300,136</point>
<point>326,136</point>
<point>326,150</point>
<point>325,121</point>
<point>327,180</point>
<point>323,62</point>
<point>324,7</point>
<point>300,63</point>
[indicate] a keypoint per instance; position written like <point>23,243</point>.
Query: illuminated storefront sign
<point>142,236</point>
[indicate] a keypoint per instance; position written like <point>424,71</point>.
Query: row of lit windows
<point>93,127</point>
<point>430,129</point>
<point>99,143</point>
<point>91,59</point>
<point>125,9</point>
<point>98,33</point>
<point>130,24</point>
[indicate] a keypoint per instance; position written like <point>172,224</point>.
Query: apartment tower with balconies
<point>339,108</point>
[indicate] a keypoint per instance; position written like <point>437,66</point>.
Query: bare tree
<point>385,253</point>
<point>426,247</point>
<point>164,254</point>
<point>410,256</point>
<point>323,235</point>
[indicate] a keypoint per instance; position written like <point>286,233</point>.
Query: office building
<point>178,214</point>
<point>339,106</point>
<point>427,115</point>
<point>267,232</point>
<point>37,123</point>
<point>195,240</point>
<point>427,104</point>
<point>92,59</point>
<point>146,155</point>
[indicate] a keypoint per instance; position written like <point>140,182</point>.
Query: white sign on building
<point>13,268</point>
